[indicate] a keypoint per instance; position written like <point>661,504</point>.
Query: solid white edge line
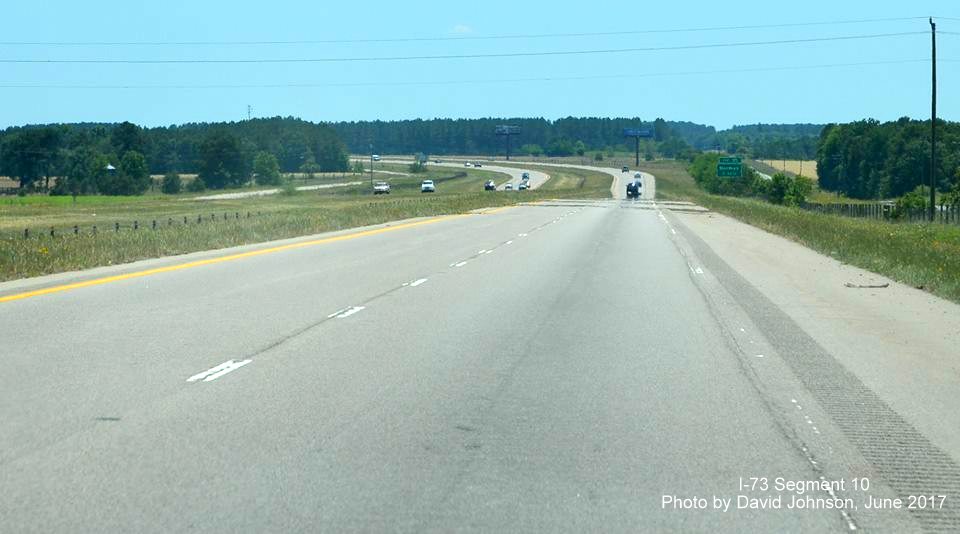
<point>460,264</point>
<point>415,283</point>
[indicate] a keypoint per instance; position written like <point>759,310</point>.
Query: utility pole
<point>249,111</point>
<point>371,164</point>
<point>933,119</point>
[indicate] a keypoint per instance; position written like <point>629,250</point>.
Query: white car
<point>523,185</point>
<point>637,175</point>
<point>467,164</point>
<point>375,157</point>
<point>508,187</point>
<point>427,186</point>
<point>381,188</point>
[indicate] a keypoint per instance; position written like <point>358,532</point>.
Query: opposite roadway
<point>551,367</point>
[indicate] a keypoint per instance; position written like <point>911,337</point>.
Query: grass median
<point>925,256</point>
<point>222,224</point>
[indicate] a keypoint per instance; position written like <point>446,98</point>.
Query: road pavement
<point>536,180</point>
<point>569,366</point>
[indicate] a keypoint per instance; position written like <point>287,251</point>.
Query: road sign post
<point>636,134</point>
<point>507,131</point>
<point>730,167</point>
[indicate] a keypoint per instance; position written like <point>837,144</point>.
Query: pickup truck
<point>381,188</point>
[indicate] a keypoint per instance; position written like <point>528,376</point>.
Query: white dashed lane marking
<point>216,372</point>
<point>346,312</point>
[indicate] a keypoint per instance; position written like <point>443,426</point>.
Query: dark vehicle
<point>523,186</point>
<point>477,165</point>
<point>634,190</point>
<point>625,169</point>
<point>490,186</point>
<point>525,176</point>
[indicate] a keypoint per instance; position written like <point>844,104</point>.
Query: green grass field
<point>224,223</point>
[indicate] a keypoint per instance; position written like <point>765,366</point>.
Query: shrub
<point>310,169</point>
<point>798,191</point>
<point>417,167</point>
<point>171,183</point>
<point>196,185</point>
<point>911,202</point>
<point>779,185</point>
<point>289,189</point>
<point>266,168</point>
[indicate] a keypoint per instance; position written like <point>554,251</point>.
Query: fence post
<point>154,224</point>
<point>94,229</point>
<point>51,232</point>
<point>26,233</point>
<point>136,225</point>
<point>116,227</point>
<point>76,230</point>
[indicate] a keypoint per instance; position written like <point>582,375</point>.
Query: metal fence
<point>943,213</point>
<point>182,221</point>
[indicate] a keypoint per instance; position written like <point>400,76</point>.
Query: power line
<point>27,85</point>
<point>459,37</point>
<point>460,56</point>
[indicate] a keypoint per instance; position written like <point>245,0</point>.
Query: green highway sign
<point>730,168</point>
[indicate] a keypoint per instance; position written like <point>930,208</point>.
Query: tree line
<point>771,141</point>
<point>118,159</point>
<point>870,160</point>
<point>572,135</point>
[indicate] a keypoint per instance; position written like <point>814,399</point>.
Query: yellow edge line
<point>497,210</point>
<point>222,259</point>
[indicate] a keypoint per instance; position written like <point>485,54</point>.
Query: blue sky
<point>674,84</point>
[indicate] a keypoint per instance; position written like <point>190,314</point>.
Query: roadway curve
<point>537,178</point>
<point>617,188</point>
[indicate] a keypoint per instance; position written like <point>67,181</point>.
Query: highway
<point>537,178</point>
<point>564,366</point>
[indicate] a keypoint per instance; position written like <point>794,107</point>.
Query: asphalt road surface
<point>537,178</point>
<point>558,367</point>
